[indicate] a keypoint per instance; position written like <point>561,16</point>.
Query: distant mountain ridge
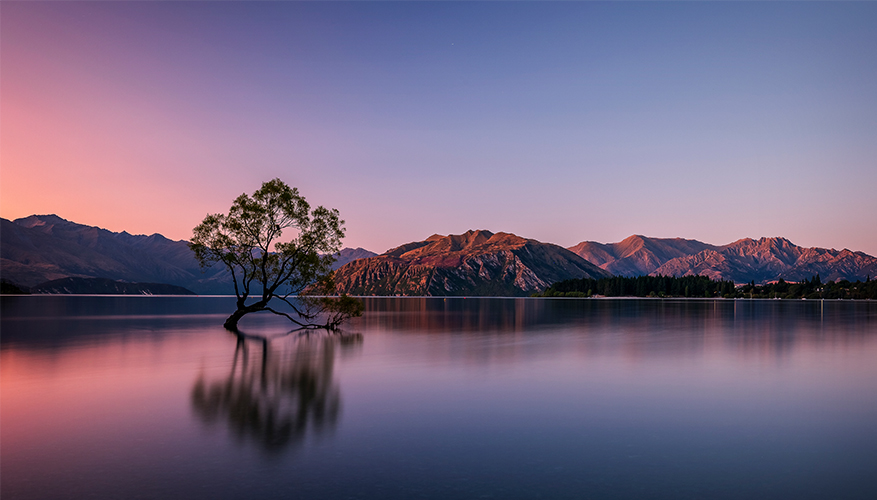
<point>41,248</point>
<point>473,263</point>
<point>745,260</point>
<point>349,255</point>
<point>637,255</point>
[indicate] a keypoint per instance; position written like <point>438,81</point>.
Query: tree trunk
<point>232,322</point>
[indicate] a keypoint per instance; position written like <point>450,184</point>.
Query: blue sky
<point>556,121</point>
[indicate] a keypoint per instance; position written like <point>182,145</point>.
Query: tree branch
<point>290,318</point>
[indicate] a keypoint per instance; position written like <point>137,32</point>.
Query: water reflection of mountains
<point>277,392</point>
<point>782,321</point>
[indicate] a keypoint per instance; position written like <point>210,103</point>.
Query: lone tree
<point>297,272</point>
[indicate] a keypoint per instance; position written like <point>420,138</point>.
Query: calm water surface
<point>148,397</point>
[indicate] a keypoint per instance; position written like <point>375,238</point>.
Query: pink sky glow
<point>559,122</point>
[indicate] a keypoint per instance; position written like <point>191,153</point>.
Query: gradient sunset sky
<point>561,122</point>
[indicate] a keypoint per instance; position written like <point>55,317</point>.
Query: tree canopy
<point>702,286</point>
<point>297,272</point>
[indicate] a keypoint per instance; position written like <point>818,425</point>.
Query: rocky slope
<point>769,259</point>
<point>763,260</point>
<point>637,255</point>
<point>473,263</point>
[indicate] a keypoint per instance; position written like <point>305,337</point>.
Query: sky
<point>561,122</point>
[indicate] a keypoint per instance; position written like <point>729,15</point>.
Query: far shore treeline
<point>703,286</point>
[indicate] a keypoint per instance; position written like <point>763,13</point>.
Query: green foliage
<point>702,286</point>
<point>812,289</point>
<point>247,241</point>
<point>641,286</point>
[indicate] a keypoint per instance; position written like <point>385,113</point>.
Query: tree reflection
<point>277,394</point>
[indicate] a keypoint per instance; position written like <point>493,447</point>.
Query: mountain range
<point>745,260</point>
<point>41,248</point>
<point>472,263</point>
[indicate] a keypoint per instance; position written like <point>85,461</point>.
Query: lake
<point>149,397</point>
